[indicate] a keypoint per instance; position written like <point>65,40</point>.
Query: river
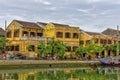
<point>77,73</point>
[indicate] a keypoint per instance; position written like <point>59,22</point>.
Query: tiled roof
<point>110,31</point>
<point>62,25</point>
<point>42,24</point>
<point>92,33</point>
<point>28,24</point>
<point>2,32</point>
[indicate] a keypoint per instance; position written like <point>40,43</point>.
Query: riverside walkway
<point>44,62</point>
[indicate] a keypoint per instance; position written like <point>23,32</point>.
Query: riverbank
<point>43,62</point>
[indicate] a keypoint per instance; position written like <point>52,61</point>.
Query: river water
<point>77,73</point>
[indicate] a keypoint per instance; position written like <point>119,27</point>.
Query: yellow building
<point>96,38</point>
<point>21,34</point>
<point>68,34</point>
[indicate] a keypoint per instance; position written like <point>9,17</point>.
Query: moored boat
<point>111,61</point>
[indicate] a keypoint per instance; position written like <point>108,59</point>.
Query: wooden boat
<point>111,61</point>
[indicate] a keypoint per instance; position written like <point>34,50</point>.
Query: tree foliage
<point>52,47</point>
<point>43,49</point>
<point>81,50</point>
<point>113,48</point>
<point>3,42</point>
<point>94,48</point>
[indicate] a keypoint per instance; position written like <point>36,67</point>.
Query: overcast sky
<point>89,15</point>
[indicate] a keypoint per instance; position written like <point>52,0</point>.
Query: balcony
<point>24,38</point>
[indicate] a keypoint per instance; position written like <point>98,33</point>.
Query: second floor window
<point>75,35</point>
<point>25,34</point>
<point>39,34</point>
<point>9,34</point>
<point>32,34</point>
<point>67,35</point>
<point>109,42</point>
<point>16,33</point>
<point>103,41</point>
<point>59,35</point>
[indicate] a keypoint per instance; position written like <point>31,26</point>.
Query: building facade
<point>68,34</point>
<point>22,34</point>
<point>99,39</point>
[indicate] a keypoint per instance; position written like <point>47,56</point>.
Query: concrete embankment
<point>45,62</point>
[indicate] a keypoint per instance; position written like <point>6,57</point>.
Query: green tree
<point>80,51</point>
<point>43,49</point>
<point>29,48</point>
<point>113,48</point>
<point>3,43</point>
<point>52,47</point>
<point>57,47</point>
<point>94,48</point>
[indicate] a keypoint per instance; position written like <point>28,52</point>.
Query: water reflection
<point>86,73</point>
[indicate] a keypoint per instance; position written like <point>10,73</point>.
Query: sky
<point>89,15</point>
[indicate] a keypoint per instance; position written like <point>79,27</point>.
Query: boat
<point>111,61</point>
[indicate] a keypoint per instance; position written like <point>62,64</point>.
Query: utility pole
<point>117,40</point>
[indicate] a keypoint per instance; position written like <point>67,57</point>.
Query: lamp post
<point>117,40</point>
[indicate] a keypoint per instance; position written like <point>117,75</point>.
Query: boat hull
<point>107,63</point>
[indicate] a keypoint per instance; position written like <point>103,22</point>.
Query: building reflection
<point>65,74</point>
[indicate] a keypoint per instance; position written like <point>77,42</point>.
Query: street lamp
<point>117,40</point>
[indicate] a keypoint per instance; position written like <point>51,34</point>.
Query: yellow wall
<point>23,42</point>
<point>50,32</point>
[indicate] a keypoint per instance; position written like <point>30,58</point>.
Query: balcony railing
<point>34,38</point>
<point>24,38</point>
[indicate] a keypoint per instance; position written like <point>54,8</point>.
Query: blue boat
<point>111,61</point>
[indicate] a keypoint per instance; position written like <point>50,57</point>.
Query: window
<point>103,41</point>
<point>75,35</point>
<point>68,49</point>
<point>7,48</point>
<point>96,40</point>
<point>109,42</point>
<point>16,33</point>
<point>9,34</point>
<point>39,34</point>
<point>67,35</point>
<point>25,34</point>
<point>75,47</point>
<point>87,41</point>
<point>12,48</point>
<point>59,35</point>
<point>32,34</point>
<point>31,48</point>
<point>81,42</point>
<point>16,48</point>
